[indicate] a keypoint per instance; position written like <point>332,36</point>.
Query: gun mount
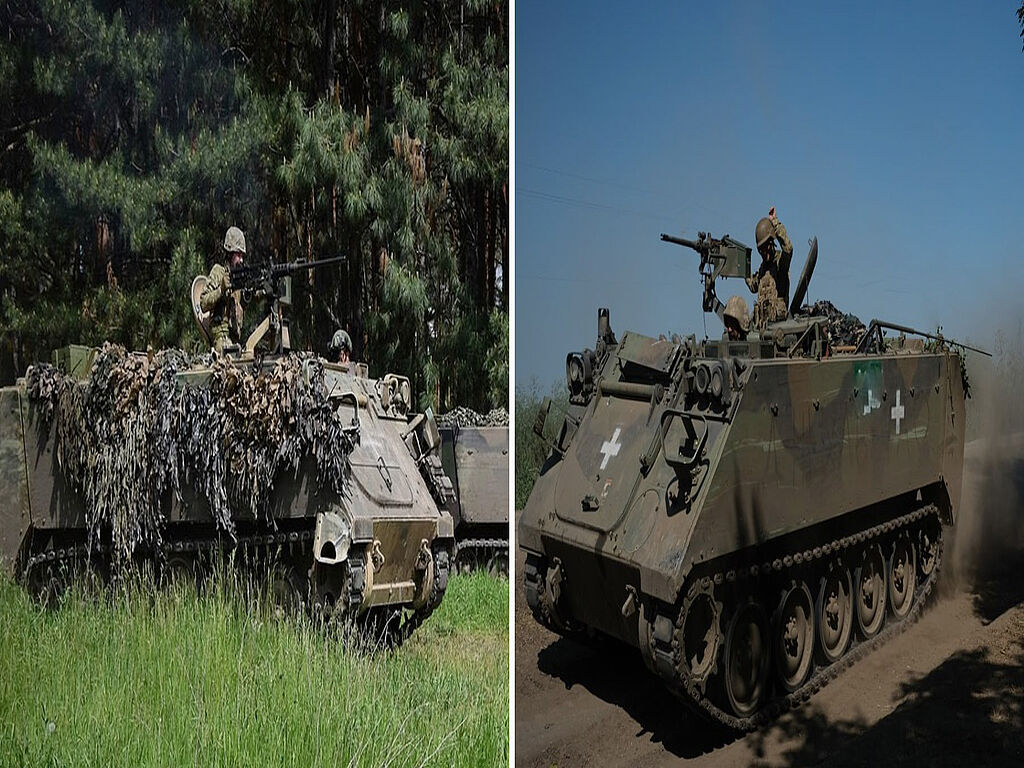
<point>718,258</point>
<point>731,258</point>
<point>272,282</point>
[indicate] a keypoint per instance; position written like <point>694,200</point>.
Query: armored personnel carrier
<point>753,513</point>
<point>284,461</point>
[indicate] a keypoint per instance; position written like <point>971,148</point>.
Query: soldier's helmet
<point>234,240</point>
<point>763,231</point>
<point>341,340</point>
<point>736,310</point>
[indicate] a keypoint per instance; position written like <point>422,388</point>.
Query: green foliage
<point>174,680</point>
<point>497,358</point>
<point>531,451</point>
<point>136,134</point>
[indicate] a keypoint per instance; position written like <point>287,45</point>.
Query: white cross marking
<point>610,448</point>
<point>898,412</point>
<point>873,403</point>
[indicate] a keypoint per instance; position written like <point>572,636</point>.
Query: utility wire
<point>579,203</point>
<point>616,185</point>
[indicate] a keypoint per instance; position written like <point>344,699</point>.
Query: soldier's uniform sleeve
<point>785,256</point>
<point>213,292</point>
<point>783,237</point>
<point>755,279</point>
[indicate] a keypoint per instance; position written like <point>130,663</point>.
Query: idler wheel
<point>287,591</point>
<point>793,628</point>
<point>747,659</point>
<point>928,547</point>
<point>869,592</point>
<point>902,576</point>
<point>701,635</point>
<point>834,612</point>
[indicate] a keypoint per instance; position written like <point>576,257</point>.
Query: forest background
<point>133,136</point>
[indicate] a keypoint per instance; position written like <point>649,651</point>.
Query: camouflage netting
<point>843,330</point>
<point>130,433</point>
<point>467,417</point>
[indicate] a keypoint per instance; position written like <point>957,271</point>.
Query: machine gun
<point>266,279</point>
<point>718,258</point>
<point>731,258</point>
<point>273,283</point>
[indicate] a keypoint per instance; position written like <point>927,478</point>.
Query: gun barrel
<point>290,267</point>
<point>680,241</point>
<point>321,262</point>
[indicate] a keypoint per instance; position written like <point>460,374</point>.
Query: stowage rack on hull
<point>752,514</point>
<point>308,468</point>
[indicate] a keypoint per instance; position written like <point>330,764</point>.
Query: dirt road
<point>948,691</point>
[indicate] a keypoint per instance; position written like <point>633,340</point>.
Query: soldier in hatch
<point>736,319</point>
<point>223,304</point>
<point>771,281</point>
<point>341,346</point>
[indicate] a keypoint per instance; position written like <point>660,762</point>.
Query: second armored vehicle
<point>475,458</point>
<point>752,512</point>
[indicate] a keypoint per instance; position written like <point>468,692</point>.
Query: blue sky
<point>893,133</point>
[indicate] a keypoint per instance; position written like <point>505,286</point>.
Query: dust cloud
<point>988,538</point>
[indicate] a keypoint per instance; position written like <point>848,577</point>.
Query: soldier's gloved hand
<point>771,212</point>
<point>225,282</point>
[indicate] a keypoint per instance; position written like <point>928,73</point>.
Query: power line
<point>613,184</point>
<point>579,203</point>
<point>591,179</point>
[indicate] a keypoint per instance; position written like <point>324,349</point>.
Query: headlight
<point>716,382</point>
<point>701,378</point>
<point>395,391</point>
<point>579,374</point>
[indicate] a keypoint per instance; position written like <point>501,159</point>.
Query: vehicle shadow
<point>615,673</point>
<point>966,711</point>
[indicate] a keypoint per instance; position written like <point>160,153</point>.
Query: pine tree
<point>137,135</point>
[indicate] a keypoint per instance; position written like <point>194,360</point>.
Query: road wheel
<point>928,547</point>
<point>747,659</point>
<point>834,612</point>
<point>869,592</point>
<point>287,591</point>
<point>49,582</point>
<point>793,627</point>
<point>902,576</point>
<point>181,570</point>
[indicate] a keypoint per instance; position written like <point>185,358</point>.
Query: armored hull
<point>369,538</point>
<point>751,515</point>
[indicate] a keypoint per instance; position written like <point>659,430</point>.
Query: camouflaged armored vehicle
<point>751,513</point>
<point>287,461</point>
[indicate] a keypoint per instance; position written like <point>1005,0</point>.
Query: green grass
<point>178,680</point>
